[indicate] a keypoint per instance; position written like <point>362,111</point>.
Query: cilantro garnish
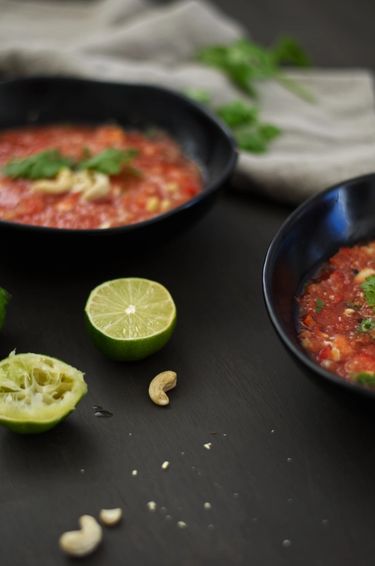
<point>43,165</point>
<point>365,378</point>
<point>319,305</point>
<point>366,325</point>
<point>109,161</point>
<point>368,287</point>
<point>47,164</point>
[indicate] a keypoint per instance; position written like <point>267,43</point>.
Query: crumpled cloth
<point>136,41</point>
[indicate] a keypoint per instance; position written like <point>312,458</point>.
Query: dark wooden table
<point>290,474</point>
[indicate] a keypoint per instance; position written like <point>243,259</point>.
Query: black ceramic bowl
<point>55,100</point>
<point>340,216</point>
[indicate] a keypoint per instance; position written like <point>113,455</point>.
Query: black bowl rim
<point>208,189</point>
<point>267,293</point>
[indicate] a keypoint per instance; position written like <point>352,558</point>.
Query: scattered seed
<point>325,522</point>
<point>151,505</point>
<point>290,500</point>
<point>165,465</point>
<point>82,470</point>
<point>286,542</point>
<point>207,505</point>
<point>168,517</point>
<point>182,453</point>
<point>134,472</point>
<point>130,434</point>
<point>289,460</point>
<point>273,431</point>
<point>181,524</point>
<point>236,495</point>
<point>208,445</point>
<point>163,509</point>
<point>211,527</point>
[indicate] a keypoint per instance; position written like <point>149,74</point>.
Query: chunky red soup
<point>337,315</point>
<point>154,177</point>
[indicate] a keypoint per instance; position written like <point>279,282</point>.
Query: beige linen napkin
<point>135,40</point>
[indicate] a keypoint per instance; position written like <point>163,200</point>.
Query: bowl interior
<point>54,100</point>
<point>341,216</point>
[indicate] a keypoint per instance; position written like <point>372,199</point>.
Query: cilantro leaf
<point>245,62</point>
<point>237,113</point>
<point>199,95</point>
<point>288,52</point>
<point>366,325</point>
<point>110,161</point>
<point>43,165</point>
<point>365,378</point>
<point>319,305</point>
<point>368,287</point>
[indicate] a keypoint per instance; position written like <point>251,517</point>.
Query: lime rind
<point>37,391</point>
<point>4,300</point>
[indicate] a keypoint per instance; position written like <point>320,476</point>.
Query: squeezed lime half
<point>130,318</point>
<point>37,392</point>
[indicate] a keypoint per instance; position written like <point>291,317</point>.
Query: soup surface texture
<point>108,176</point>
<point>337,315</point>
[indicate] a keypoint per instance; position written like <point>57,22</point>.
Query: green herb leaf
<point>199,95</point>
<point>43,165</point>
<point>368,287</point>
<point>256,139</point>
<point>366,325</point>
<point>245,62</point>
<point>237,113</point>
<point>288,52</point>
<point>110,161</point>
<point>365,378</point>
<point>319,305</point>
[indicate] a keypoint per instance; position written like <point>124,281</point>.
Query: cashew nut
<point>110,517</point>
<point>91,184</point>
<point>161,383</point>
<point>61,184</point>
<point>85,541</point>
<point>99,187</point>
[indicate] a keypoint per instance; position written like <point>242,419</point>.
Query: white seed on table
<point>207,505</point>
<point>134,472</point>
<point>208,445</point>
<point>165,465</point>
<point>181,524</point>
<point>151,505</point>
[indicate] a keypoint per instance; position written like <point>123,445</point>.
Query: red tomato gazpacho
<point>337,315</point>
<point>75,176</point>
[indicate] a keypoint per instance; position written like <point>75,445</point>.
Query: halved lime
<point>130,318</point>
<point>37,392</point>
<point>4,300</point>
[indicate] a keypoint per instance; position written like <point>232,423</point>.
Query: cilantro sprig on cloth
<point>250,132</point>
<point>245,62</point>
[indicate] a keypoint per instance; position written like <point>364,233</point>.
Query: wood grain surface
<point>289,474</point>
